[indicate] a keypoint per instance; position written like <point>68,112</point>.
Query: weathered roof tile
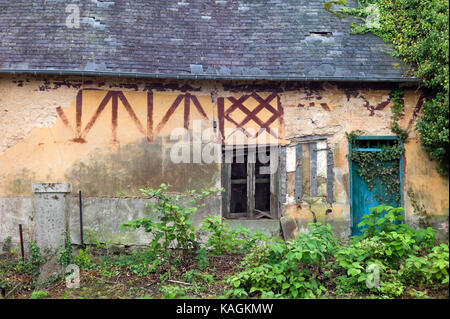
<point>227,37</point>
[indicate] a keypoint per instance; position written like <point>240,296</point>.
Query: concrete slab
<point>51,222</point>
<point>266,226</point>
<point>50,214</point>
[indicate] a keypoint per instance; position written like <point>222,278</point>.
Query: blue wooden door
<point>362,198</point>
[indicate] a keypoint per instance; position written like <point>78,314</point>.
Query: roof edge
<point>214,76</point>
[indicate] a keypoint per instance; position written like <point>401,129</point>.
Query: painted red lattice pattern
<point>250,115</point>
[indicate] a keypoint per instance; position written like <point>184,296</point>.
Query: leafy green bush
<point>403,256</point>
<point>201,257</point>
<point>428,269</point>
<point>222,238</point>
<point>354,260</point>
<point>439,263</point>
<point>391,286</point>
<point>32,265</point>
<point>381,218</point>
<point>285,268</point>
<point>140,262</point>
<point>84,259</point>
<point>383,222</point>
<point>7,244</point>
<point>96,245</point>
<point>196,277</point>
<point>65,257</point>
<point>247,239</point>
<point>170,223</point>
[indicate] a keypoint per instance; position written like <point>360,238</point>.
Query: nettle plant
<point>170,222</point>
<point>386,221</point>
<point>402,255</point>
<point>286,269</point>
<point>381,218</point>
<point>32,265</point>
<point>222,238</point>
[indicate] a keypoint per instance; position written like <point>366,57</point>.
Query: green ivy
<point>433,130</point>
<point>353,135</point>
<point>397,112</point>
<point>65,258</point>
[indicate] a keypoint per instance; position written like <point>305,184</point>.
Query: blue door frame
<point>351,172</point>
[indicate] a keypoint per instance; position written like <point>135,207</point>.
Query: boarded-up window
<point>308,171</point>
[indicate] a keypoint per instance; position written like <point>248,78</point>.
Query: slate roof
<point>186,38</point>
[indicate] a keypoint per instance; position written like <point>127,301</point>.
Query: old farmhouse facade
<point>148,92</point>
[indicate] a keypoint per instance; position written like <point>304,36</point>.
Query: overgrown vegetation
<point>65,256</point>
<point>169,223</point>
<point>418,33</point>
<point>288,269</point>
<point>389,260</point>
<point>223,239</point>
<point>396,249</point>
<point>394,253</point>
<point>397,113</point>
<point>31,265</point>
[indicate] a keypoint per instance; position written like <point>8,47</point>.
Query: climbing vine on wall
<point>380,170</point>
<point>352,136</point>
<point>397,112</point>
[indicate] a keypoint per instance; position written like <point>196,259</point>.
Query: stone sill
<point>51,187</point>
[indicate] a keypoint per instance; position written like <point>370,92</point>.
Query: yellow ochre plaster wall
<point>41,141</point>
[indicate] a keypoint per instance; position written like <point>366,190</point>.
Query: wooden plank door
<point>362,198</point>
